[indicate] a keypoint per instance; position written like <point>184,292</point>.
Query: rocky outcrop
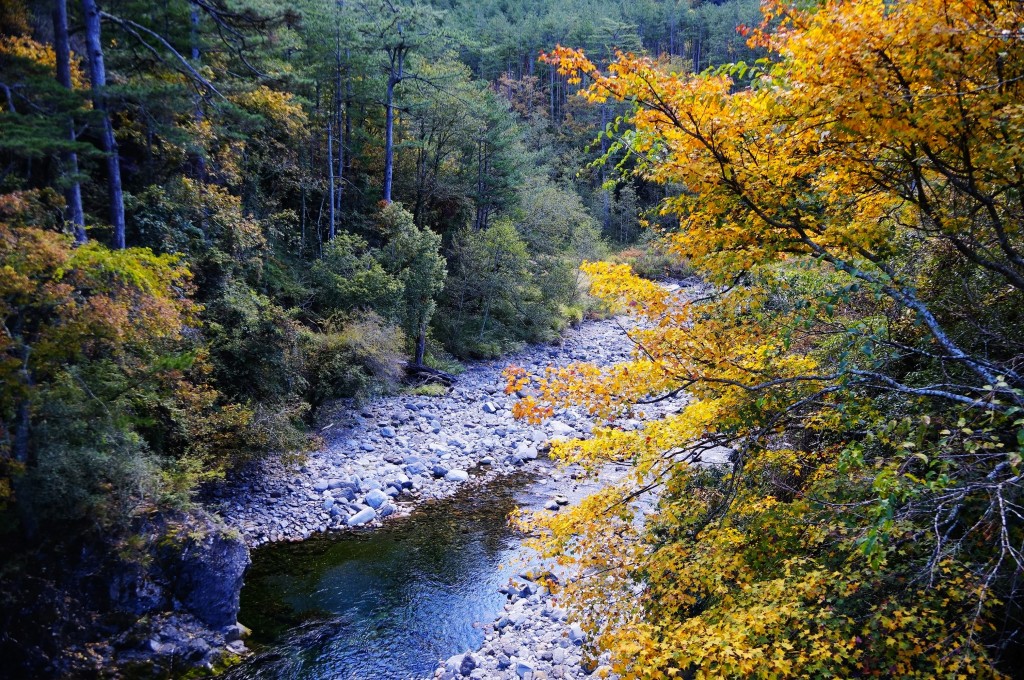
<point>205,574</point>
<point>160,599</point>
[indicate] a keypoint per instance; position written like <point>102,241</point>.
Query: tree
<point>413,255</point>
<point>398,31</point>
<point>871,411</point>
<point>62,50</point>
<point>62,306</point>
<point>98,83</point>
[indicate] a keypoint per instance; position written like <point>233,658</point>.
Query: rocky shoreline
<point>534,638</point>
<point>383,459</point>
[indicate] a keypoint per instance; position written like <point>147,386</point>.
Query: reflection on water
<point>387,603</point>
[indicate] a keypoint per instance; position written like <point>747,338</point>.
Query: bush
<point>349,277</point>
<point>254,345</point>
<point>651,260</point>
<point>360,357</point>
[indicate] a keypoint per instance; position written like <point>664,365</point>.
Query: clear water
<point>387,603</point>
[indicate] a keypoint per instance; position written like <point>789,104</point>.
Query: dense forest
<point>218,217</point>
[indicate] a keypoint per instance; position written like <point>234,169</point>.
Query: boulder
<point>206,575</point>
<point>376,498</point>
<point>576,634</point>
<point>364,516</point>
<point>457,476</point>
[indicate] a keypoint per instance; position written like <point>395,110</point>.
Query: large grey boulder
<point>206,575</point>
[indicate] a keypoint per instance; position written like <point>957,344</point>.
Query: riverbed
<point>385,603</point>
<point>383,555</point>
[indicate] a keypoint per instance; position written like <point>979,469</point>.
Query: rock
<point>523,668</point>
<point>560,429</point>
<point>368,485</point>
<point>552,505</point>
<point>439,470</point>
<point>322,485</point>
<point>457,476</point>
<point>386,510</point>
<point>206,574</point>
<point>467,664</point>
<point>576,634</point>
<point>561,500</point>
<point>236,631</point>
<point>362,517</point>
<point>346,493</point>
<point>376,498</point>
<point>490,407</point>
<point>387,431</point>
<point>414,469</point>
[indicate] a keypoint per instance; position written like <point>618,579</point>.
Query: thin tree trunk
<point>395,77</point>
<point>69,159</point>
<point>330,180</point>
<point>606,199</point>
<point>421,344</point>
<point>198,160</point>
<point>340,174</point>
<point>98,76</point>
<point>479,185</point>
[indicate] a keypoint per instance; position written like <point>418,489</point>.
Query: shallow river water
<point>387,603</point>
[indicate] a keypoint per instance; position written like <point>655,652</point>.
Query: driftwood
<point>425,374</point>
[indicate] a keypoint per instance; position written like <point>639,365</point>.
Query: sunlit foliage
<point>857,211</point>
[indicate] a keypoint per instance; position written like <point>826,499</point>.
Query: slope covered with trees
<point>217,215</point>
<point>858,210</point>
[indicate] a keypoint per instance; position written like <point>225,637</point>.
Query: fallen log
<point>426,374</point>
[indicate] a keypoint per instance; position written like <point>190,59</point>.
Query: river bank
<point>384,458</point>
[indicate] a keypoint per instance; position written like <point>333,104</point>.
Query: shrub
<point>359,357</point>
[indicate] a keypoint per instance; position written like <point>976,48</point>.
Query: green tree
<point>413,256</point>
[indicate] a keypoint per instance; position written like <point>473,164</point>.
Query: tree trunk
<point>421,344</point>
<point>198,161</point>
<point>98,76</point>
<point>330,181</point>
<point>338,116</point>
<point>69,159</point>
<point>394,77</point>
<point>479,225</point>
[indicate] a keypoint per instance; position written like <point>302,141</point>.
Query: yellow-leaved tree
<point>857,203</point>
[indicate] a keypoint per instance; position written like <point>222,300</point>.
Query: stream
<point>387,603</point>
